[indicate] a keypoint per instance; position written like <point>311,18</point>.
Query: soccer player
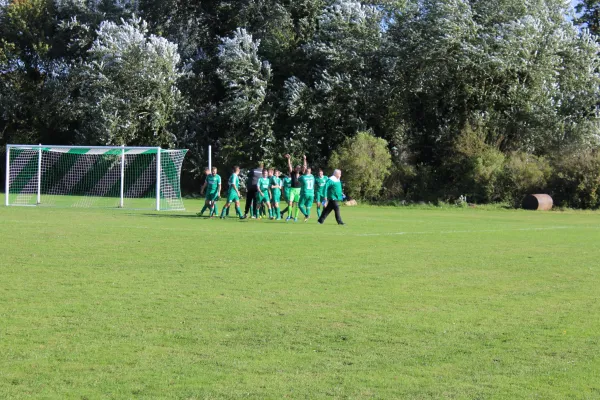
<point>294,198</point>
<point>333,194</point>
<point>276,186</point>
<point>234,194</point>
<point>320,182</point>
<point>212,185</point>
<point>262,197</point>
<point>307,193</point>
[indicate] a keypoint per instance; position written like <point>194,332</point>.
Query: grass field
<point>400,303</point>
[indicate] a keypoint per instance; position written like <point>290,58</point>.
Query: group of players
<point>266,191</point>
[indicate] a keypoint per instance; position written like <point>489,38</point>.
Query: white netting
<point>170,183</point>
<point>92,177</point>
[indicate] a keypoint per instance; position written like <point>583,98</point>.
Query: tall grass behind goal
<point>119,177</point>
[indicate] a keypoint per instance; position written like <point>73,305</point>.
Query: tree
<point>513,68</point>
<point>366,162</point>
<point>41,44</point>
<point>26,31</point>
<point>244,77</point>
<point>260,78</point>
<point>589,15</point>
<point>129,87</point>
<point>339,92</point>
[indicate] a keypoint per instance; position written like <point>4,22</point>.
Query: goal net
<point>126,177</point>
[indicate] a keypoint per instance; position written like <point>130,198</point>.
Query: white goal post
<point>94,176</point>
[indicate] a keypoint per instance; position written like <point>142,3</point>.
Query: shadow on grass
<point>181,216</point>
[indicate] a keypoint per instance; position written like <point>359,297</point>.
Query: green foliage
<point>589,14</point>
<point>399,182</point>
<point>257,79</point>
<point>474,167</point>
<point>244,77</point>
<point>519,68</point>
<point>129,87</point>
<point>366,162</point>
<point>27,25</point>
<point>524,174</point>
<point>576,180</point>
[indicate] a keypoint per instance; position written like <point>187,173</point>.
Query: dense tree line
<point>489,99</point>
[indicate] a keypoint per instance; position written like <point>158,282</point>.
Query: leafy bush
<point>475,167</point>
<point>524,174</point>
<point>399,182</point>
<point>366,162</point>
<point>576,180</point>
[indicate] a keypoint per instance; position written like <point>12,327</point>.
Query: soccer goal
<point>69,176</point>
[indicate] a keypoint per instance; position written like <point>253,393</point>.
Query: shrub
<point>366,162</point>
<point>576,180</point>
<point>523,174</point>
<point>399,183</point>
<point>474,168</point>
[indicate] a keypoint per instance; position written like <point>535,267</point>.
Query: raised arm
<point>304,165</point>
<point>289,158</point>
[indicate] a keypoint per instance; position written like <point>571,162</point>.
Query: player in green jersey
<point>212,185</point>
<point>307,193</point>
<point>333,195</point>
<point>320,182</point>
<point>270,175</point>
<point>294,198</point>
<point>234,194</point>
<point>262,197</point>
<point>276,185</point>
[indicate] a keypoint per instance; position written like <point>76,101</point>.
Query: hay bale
<point>538,202</point>
<point>351,203</point>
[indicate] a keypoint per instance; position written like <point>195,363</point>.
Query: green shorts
<point>276,195</point>
<point>233,197</point>
<point>286,195</point>
<point>264,198</point>
<point>294,195</point>
<point>307,200</point>
<point>214,196</point>
<point>319,198</point>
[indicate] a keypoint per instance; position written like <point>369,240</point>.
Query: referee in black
<point>251,189</point>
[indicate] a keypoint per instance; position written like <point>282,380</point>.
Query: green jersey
<point>275,181</point>
<point>264,184</point>
<point>308,185</point>
<point>334,189</point>
<point>287,183</point>
<point>212,183</point>
<point>234,183</point>
<point>320,183</point>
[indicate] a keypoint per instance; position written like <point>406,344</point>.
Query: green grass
<point>47,200</point>
<point>400,303</point>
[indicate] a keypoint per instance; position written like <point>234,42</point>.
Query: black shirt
<point>296,181</point>
<point>253,176</point>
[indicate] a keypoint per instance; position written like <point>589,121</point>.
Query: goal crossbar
<point>88,176</point>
